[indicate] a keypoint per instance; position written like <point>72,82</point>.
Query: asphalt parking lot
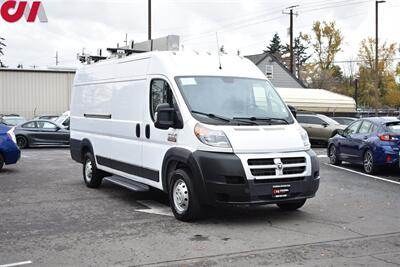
<point>48,217</point>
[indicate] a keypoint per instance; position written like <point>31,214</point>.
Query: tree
<point>275,47</point>
<point>300,48</point>
<point>326,42</point>
<point>2,45</point>
<point>372,78</point>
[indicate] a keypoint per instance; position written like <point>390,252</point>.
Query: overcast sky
<point>247,25</point>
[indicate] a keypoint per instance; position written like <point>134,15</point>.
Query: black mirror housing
<point>164,117</point>
<point>293,110</point>
<point>340,132</point>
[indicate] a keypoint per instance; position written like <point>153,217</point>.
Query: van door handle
<point>148,131</point>
<point>138,130</point>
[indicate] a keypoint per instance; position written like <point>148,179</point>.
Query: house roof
<point>258,58</point>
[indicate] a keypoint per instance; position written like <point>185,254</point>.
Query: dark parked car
<point>9,152</point>
<point>11,120</point>
<point>41,132</point>
<point>372,142</point>
<point>344,120</point>
<point>319,127</point>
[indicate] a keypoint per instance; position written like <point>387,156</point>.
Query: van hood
<point>265,139</point>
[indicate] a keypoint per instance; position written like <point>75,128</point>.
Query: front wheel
<point>291,205</point>
<point>369,163</point>
<point>91,175</point>
<point>182,197</point>
<point>333,157</point>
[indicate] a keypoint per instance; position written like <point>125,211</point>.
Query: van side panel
<point>107,108</point>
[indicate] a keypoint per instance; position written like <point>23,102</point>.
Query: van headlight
<point>11,135</point>
<point>210,137</point>
<point>304,137</point>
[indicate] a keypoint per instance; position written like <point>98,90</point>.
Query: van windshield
<point>231,100</point>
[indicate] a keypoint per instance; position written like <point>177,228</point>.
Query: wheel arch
<point>176,158</point>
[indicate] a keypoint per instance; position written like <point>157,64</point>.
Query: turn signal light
<point>388,137</point>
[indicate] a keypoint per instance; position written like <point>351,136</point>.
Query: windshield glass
<point>329,120</point>
<point>14,120</point>
<point>393,127</point>
<point>224,100</point>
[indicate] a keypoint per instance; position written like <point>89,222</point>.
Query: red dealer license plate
<point>280,191</point>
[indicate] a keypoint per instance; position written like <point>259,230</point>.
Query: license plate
<point>280,191</point>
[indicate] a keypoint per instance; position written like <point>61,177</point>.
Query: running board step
<point>127,183</point>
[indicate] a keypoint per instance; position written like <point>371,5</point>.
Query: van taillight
<point>388,137</point>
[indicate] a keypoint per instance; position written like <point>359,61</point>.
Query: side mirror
<point>341,132</point>
<point>325,125</point>
<point>293,110</point>
<point>164,117</point>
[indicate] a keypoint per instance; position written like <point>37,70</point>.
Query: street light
<point>377,2</point>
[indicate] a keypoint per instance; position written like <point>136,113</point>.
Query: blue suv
<point>372,142</point>
<point>9,152</point>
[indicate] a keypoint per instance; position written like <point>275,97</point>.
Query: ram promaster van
<point>203,130</point>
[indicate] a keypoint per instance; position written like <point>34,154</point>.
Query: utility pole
<point>149,20</point>
<point>56,57</point>
<point>377,2</point>
<point>291,64</point>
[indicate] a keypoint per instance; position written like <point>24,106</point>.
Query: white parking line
<point>154,208</point>
<point>361,173</point>
<point>16,264</point>
<point>322,156</point>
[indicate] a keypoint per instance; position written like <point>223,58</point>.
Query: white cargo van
<point>204,132</point>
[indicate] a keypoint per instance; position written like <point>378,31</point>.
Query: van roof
<point>170,64</point>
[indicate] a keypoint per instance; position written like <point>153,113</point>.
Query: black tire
<point>291,205</point>
<point>184,203</point>
<point>369,163</point>
<point>91,175</point>
<point>333,156</point>
<point>1,161</point>
<point>22,142</point>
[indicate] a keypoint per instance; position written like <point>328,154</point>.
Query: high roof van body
<point>206,131</point>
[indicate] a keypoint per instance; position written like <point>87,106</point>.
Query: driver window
<point>160,92</point>
<point>46,125</point>
<point>352,128</point>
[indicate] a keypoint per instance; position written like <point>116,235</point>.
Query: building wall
<point>281,78</point>
<point>33,93</point>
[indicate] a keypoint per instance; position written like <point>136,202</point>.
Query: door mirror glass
<point>164,116</point>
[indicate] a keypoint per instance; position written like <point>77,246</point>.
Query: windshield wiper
<point>213,116</point>
<point>265,119</point>
<point>246,120</point>
<point>210,115</point>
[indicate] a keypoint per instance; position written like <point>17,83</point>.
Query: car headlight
<point>210,137</point>
<point>304,137</point>
<point>11,135</point>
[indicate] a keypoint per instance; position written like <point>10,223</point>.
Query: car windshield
<point>13,120</point>
<point>393,127</point>
<point>329,120</point>
<point>224,100</point>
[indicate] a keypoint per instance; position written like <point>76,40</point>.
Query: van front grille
<point>271,168</point>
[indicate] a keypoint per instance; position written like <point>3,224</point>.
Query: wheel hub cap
<point>181,196</point>
<point>88,171</point>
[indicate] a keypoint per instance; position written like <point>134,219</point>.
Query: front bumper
<point>226,181</point>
